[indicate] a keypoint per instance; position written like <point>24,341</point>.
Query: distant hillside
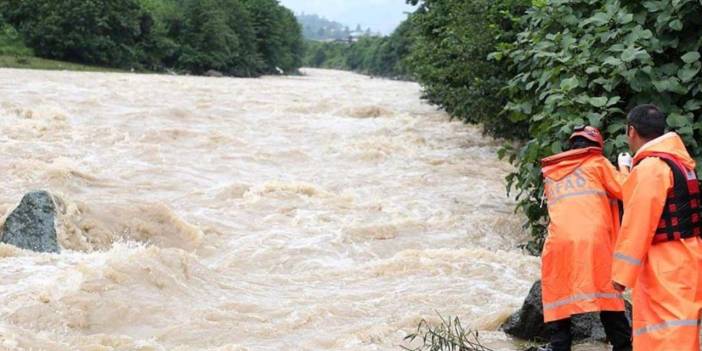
<point>318,28</point>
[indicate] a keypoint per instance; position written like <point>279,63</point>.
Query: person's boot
<point>561,339</point>
<point>618,330</point>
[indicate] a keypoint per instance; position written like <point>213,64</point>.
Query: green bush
<point>102,32</point>
<point>588,62</point>
<point>11,42</point>
<point>450,58</point>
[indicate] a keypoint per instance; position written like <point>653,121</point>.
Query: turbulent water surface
<point>324,212</point>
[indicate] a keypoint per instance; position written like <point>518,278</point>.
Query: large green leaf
<point>692,105</point>
<point>654,6</point>
<point>599,19</point>
<point>689,72</point>
<point>598,101</point>
<point>613,101</point>
<point>633,53</point>
<point>676,25</point>
<point>570,83</point>
<point>611,60</point>
<point>691,57</point>
<point>677,120</point>
<point>672,85</point>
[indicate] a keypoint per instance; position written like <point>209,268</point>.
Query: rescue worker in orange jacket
<point>582,189</point>
<point>659,250</point>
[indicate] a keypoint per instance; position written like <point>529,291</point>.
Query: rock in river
<point>528,322</point>
<point>31,225</point>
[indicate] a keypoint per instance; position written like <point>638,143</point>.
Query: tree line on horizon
<point>373,55</point>
<point>245,38</point>
<point>318,28</point>
<point>529,71</point>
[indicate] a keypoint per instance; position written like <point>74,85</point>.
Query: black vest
<point>682,214</point>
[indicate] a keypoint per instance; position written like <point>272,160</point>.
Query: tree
<point>278,35</point>
<point>450,58</point>
<point>188,35</point>
<point>103,32</point>
<point>207,41</point>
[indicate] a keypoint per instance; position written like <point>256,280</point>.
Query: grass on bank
<point>31,62</point>
<point>15,54</point>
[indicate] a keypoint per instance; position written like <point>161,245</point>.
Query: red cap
<point>589,133</point>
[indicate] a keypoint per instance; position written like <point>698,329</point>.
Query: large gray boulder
<point>528,322</point>
<point>31,225</point>
<point>213,73</point>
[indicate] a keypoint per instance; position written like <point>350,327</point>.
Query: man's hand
<point>618,287</point>
<point>624,161</point>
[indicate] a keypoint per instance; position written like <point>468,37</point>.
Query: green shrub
<point>102,32</point>
<point>588,62</point>
<point>450,58</point>
<point>11,42</point>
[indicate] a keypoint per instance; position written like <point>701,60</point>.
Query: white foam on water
<point>324,212</point>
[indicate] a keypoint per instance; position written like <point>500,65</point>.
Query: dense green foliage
<point>11,42</point>
<point>450,57</point>
<point>98,32</point>
<point>380,56</point>
<point>590,61</point>
<point>236,37</point>
<point>278,35</point>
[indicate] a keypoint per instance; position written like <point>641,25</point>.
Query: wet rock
<point>213,73</point>
<point>528,322</point>
<point>31,225</point>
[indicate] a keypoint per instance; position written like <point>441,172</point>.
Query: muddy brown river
<point>329,211</point>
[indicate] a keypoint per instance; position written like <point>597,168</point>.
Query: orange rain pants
<point>666,277</point>
<point>582,188</point>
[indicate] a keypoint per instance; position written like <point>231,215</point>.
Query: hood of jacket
<point>561,165</point>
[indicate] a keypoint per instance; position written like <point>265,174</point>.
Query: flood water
<point>330,211</point>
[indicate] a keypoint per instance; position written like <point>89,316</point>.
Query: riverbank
<point>32,62</point>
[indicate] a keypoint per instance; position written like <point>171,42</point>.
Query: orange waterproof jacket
<point>581,188</point>
<point>666,277</point>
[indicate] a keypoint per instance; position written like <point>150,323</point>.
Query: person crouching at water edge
<point>659,249</point>
<point>582,189</point>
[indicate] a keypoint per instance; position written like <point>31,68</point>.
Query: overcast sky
<point>378,15</point>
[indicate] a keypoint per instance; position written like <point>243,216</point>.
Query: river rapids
<point>329,211</point>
